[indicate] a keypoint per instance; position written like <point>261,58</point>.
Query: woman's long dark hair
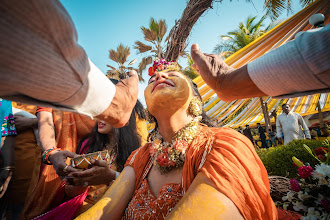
<point>124,140</point>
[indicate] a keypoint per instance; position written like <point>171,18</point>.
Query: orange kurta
<point>228,159</point>
<point>69,129</point>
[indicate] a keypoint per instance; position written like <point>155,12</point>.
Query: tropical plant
<point>275,7</point>
<point>155,35</point>
<point>120,56</point>
<point>242,36</point>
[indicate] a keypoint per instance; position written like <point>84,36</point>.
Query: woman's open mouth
<point>162,83</point>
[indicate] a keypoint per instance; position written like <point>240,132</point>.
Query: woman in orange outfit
<point>187,170</point>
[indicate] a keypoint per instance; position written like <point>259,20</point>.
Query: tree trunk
<point>265,112</point>
<point>177,38</point>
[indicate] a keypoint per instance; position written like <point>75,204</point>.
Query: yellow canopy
<point>223,112</point>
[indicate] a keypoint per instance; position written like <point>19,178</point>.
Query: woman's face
<point>103,127</point>
<point>167,90</point>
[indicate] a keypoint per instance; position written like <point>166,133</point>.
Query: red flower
<point>180,145</point>
<point>305,171</point>
<point>162,160</point>
<point>294,185</point>
<point>151,71</point>
<point>172,163</point>
<point>321,150</point>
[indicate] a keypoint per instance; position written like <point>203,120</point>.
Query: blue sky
<point>104,24</point>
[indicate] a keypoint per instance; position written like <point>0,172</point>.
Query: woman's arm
<point>112,205</point>
<point>203,199</point>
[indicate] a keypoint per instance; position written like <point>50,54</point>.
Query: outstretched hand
<point>210,66</point>
<point>227,82</point>
<point>100,173</point>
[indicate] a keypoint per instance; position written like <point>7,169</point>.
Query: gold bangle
<point>8,168</point>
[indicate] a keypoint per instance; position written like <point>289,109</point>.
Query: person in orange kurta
<point>69,129</point>
<point>187,170</point>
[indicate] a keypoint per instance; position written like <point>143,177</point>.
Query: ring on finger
<point>65,169</point>
<point>85,184</point>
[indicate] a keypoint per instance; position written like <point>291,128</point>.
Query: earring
<point>195,107</point>
<point>150,117</point>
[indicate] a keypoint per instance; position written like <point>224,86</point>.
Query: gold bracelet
<point>8,168</point>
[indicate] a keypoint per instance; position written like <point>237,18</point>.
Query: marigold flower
<point>305,171</point>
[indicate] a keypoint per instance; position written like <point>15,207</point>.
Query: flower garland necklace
<point>167,156</point>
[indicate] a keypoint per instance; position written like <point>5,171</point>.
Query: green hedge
<point>278,160</point>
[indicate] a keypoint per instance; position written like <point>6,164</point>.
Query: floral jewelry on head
<point>195,107</point>
<point>162,64</point>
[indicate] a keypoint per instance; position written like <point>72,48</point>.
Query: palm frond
<point>132,62</point>
<point>304,3</point>
<point>123,53</point>
<point>111,67</point>
<point>149,35</point>
<point>141,47</point>
<point>162,28</point>
<point>144,62</point>
<point>113,55</point>
<point>274,8</point>
<point>153,25</point>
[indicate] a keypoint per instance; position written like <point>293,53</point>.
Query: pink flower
<point>305,171</point>
<point>180,145</point>
<point>294,185</point>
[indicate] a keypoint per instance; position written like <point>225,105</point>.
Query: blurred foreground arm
<point>51,69</point>
<point>196,202</point>
<point>300,66</point>
<point>112,205</point>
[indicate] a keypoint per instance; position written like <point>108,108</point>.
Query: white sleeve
<point>100,92</point>
<point>298,66</point>
<point>278,128</point>
<point>42,63</point>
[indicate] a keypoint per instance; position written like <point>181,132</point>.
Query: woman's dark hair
<point>205,119</point>
<point>123,142</point>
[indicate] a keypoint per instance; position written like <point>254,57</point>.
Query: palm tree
<point>120,57</point>
<point>155,35</point>
<point>275,7</point>
<point>242,36</point>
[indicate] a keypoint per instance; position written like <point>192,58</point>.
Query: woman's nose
<point>161,75</point>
